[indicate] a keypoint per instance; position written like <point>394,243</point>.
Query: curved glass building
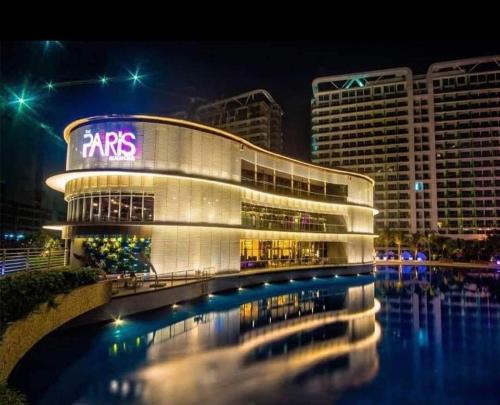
<point>206,199</point>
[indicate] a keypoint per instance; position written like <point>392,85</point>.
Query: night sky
<point>175,71</point>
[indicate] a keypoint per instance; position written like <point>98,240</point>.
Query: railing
<point>290,262</point>
<point>185,276</point>
<point>25,259</point>
<point>282,225</point>
<point>287,191</point>
<point>165,280</point>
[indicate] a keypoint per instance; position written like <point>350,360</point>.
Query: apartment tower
<point>431,142</point>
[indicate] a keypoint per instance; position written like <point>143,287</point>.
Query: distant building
<point>431,142</point>
<point>255,116</point>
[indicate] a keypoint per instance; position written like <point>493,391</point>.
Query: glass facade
<point>111,207</point>
<point>257,253</point>
<point>270,180</point>
<point>277,219</point>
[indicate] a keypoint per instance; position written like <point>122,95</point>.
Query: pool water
<point>406,335</point>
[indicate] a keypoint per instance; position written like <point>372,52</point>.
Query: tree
<point>415,241</point>
<point>385,238</point>
<point>398,237</point>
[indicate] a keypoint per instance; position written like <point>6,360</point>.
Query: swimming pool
<point>406,335</point>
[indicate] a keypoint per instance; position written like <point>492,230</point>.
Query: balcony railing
<point>289,192</point>
<point>276,225</point>
<point>25,259</point>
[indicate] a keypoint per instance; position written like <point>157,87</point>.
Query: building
<point>254,116</point>
<point>207,199</point>
<point>430,141</point>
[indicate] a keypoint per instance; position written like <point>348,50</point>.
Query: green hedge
<point>21,293</point>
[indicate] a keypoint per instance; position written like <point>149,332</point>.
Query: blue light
<point>419,186</point>
<point>104,80</point>
<point>135,77</point>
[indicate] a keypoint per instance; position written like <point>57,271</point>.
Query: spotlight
<point>118,322</point>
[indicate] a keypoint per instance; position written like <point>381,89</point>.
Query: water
<point>412,335</point>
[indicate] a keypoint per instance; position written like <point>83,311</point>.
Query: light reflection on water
<point>309,341</point>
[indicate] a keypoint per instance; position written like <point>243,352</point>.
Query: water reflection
<point>248,352</point>
<point>301,342</point>
<point>271,343</point>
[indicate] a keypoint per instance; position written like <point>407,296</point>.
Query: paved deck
<point>145,287</point>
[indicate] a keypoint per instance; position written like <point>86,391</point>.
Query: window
<point>111,207</point>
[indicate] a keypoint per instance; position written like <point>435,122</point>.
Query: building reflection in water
<point>301,342</point>
<point>324,337</point>
<point>440,316</point>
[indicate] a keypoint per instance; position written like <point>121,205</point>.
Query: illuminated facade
<point>207,199</point>
<point>431,142</point>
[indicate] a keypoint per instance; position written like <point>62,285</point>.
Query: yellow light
<point>118,322</point>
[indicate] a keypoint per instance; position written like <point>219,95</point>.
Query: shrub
<point>11,396</point>
<point>117,254</point>
<point>21,293</point>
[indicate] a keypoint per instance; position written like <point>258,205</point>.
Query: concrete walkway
<point>145,287</point>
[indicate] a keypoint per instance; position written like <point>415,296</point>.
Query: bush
<point>21,293</point>
<point>11,396</point>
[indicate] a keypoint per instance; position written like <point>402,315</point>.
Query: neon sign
<point>117,145</point>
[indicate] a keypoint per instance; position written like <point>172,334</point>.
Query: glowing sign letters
<point>117,145</point>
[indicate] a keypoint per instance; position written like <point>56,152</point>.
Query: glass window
<point>125,208</point>
<point>136,208</point>
<point>114,208</point>
<point>95,208</point>
<point>105,208</point>
<point>87,200</point>
<point>148,208</point>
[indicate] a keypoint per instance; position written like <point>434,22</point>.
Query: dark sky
<point>209,70</point>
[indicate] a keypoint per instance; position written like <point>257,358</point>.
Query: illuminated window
<point>111,207</point>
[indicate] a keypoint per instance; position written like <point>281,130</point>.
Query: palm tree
<point>438,242</point>
<point>398,237</point>
<point>414,241</point>
<point>383,238</point>
<point>424,240</point>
